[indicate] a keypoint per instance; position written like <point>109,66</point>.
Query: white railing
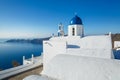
<point>13,71</point>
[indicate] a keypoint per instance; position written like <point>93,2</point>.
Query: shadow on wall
<point>73,46</point>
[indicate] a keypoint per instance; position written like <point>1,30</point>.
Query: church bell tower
<point>60,30</point>
<point>75,27</point>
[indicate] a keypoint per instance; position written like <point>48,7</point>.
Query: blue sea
<point>10,52</point>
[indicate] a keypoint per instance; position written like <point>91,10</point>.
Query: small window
<point>73,31</point>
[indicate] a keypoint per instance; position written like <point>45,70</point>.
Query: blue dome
<point>75,20</point>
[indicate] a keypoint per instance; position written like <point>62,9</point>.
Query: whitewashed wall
<point>78,30</point>
<point>96,42</point>
<point>98,53</point>
<point>51,49</point>
<point>91,46</point>
<point>67,67</point>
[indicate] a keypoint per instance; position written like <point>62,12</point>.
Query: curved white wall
<point>67,67</point>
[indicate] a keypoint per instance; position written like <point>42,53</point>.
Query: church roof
<point>76,20</point>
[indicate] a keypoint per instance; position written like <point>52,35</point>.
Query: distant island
<point>33,41</point>
<point>115,37</point>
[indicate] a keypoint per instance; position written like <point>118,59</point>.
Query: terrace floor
<point>20,76</point>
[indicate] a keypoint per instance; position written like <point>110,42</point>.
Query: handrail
<point>19,69</point>
<point>15,68</point>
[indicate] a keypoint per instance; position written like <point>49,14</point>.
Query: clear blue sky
<point>40,18</point>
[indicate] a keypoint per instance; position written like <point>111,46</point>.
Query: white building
<point>117,45</point>
<point>78,57</point>
<point>77,44</point>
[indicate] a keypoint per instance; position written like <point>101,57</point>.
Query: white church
<point>78,57</point>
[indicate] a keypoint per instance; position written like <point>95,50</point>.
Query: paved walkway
<point>35,71</point>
